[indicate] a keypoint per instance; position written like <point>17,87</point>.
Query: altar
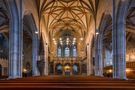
<point>67,70</point>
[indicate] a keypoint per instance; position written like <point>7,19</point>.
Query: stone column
<point>88,60</point>
<point>119,41</point>
<point>35,44</point>
<point>46,59</point>
<point>15,38</point>
<point>98,57</point>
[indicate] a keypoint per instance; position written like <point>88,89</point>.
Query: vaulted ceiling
<point>67,14</point>
<point>72,15</point>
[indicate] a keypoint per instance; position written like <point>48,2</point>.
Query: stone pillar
<point>46,59</point>
<point>88,60</point>
<point>119,41</point>
<point>98,57</point>
<point>35,44</point>
<point>15,38</point>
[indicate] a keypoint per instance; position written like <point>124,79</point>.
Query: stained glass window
<point>67,52</point>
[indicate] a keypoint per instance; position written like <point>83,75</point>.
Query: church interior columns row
<point>118,42</point>
<point>98,58</point>
<point>51,32</point>
<point>16,40</point>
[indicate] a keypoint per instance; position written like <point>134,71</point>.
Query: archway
<point>104,46</point>
<point>27,47</point>
<point>59,69</point>
<point>130,43</point>
<point>75,69</point>
<point>31,44</point>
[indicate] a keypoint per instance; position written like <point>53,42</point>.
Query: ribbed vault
<point>67,14</point>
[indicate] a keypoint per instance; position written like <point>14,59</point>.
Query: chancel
<point>67,44</point>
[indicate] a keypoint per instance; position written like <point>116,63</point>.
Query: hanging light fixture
<point>53,39</point>
<point>60,39</point>
<point>81,39</point>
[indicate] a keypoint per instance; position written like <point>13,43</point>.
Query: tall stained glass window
<point>74,51</point>
<point>67,52</point>
<point>59,52</point>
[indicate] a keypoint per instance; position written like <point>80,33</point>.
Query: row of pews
<point>66,82</point>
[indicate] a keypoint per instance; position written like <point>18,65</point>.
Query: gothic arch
<point>29,22</point>
<point>130,32</point>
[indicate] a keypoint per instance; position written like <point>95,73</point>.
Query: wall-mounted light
<point>53,39</point>
<point>74,38</point>
<point>25,70</point>
<point>36,32</point>
<point>97,32</point>
<point>67,38</point>
<point>128,70</point>
<point>110,70</point>
<point>81,39</point>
